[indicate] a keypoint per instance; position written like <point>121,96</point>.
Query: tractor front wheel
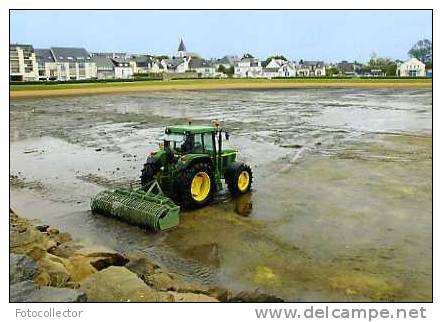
<point>150,168</point>
<point>238,178</point>
<point>196,185</point>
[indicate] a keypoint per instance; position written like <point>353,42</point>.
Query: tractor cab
<point>191,164</point>
<point>190,139</point>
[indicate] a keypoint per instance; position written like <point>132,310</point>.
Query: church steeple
<point>181,49</point>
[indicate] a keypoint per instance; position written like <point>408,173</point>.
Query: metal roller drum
<point>149,209</point>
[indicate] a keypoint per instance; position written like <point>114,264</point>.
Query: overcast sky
<point>309,35</point>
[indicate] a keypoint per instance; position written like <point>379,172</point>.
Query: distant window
<point>60,57</point>
<point>80,58</point>
<point>70,58</point>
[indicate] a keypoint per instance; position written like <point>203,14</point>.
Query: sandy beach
<point>23,91</point>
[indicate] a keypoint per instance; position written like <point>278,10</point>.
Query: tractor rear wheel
<point>196,185</point>
<point>238,178</point>
<point>150,168</point>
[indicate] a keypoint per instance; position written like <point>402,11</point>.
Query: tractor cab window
<point>187,145</point>
<point>208,142</point>
<point>175,141</point>
<point>198,144</point>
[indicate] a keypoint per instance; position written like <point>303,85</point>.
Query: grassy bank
<point>201,84</point>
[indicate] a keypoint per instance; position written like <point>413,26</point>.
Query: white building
<point>287,69</point>
<point>105,67</point>
<point>248,68</point>
<point>204,68</point>
<point>47,68</point>
<point>177,64</point>
<point>112,67</point>
<point>310,69</point>
<point>144,64</point>
<point>73,64</point>
<point>279,68</point>
<point>22,63</point>
<point>122,68</point>
<point>411,68</point>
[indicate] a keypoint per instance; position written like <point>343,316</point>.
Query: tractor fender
<point>188,160</point>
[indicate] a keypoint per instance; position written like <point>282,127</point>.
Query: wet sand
<point>109,88</point>
<point>341,208</point>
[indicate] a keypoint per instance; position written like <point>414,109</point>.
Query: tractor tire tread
<point>184,182</point>
<point>231,178</point>
<point>150,168</point>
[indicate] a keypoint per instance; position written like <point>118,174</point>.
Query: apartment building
<point>22,63</point>
<point>73,63</point>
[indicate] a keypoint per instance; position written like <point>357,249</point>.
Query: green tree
<point>387,65</point>
<point>269,59</point>
<point>230,71</point>
<point>222,69</point>
<point>331,71</point>
<point>226,70</point>
<point>422,50</point>
<point>247,55</point>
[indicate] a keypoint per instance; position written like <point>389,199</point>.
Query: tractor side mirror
<point>227,135</point>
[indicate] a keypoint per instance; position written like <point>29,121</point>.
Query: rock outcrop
<point>27,291</point>
<point>118,284</point>
<point>21,268</point>
<point>46,265</point>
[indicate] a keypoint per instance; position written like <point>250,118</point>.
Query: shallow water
<point>342,200</point>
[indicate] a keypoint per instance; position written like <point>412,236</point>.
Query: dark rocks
<point>27,291</point>
<point>102,257</point>
<point>54,294</point>
<point>21,268</point>
<point>19,292</point>
<point>140,265</point>
<point>42,228</point>
<point>256,296</point>
<point>292,146</point>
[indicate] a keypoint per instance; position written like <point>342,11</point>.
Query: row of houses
<point>63,64</point>
<point>57,63</point>
<point>412,67</point>
<point>254,68</point>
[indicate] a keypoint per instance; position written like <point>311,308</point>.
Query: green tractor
<point>187,170</point>
<point>192,163</point>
